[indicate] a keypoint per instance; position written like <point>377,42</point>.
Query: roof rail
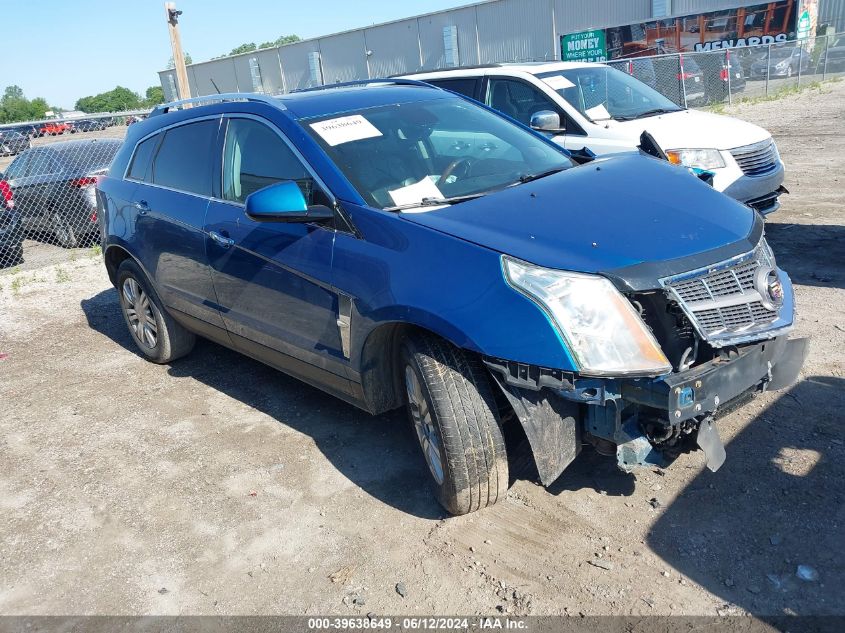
<point>363,82</point>
<point>218,98</point>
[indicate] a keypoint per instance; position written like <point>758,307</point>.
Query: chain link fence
<point>48,178</point>
<point>722,76</point>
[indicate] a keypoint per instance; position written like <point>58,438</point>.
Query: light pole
<point>172,16</point>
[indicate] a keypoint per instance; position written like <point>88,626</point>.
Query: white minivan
<point>606,110</point>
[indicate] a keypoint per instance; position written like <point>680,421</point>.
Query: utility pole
<point>172,16</point>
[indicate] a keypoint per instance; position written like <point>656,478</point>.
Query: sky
<point>63,51</point>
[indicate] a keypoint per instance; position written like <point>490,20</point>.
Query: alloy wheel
<point>424,425</point>
<point>139,313</point>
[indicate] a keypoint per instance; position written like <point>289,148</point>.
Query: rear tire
<point>156,334</point>
<point>455,418</point>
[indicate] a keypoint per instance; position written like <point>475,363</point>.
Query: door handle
<point>225,242</point>
<point>142,206</point>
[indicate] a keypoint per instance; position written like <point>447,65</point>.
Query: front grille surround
<point>724,303</point>
<point>757,159</point>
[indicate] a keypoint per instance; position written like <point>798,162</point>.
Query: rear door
<point>168,210</point>
<point>32,185</point>
<point>273,278</point>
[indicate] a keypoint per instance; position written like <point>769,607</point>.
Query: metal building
<point>485,32</point>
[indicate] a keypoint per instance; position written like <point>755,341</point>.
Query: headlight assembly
<point>603,332</point>
<point>701,158</point>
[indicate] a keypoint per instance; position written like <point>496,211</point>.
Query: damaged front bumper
<point>641,421</point>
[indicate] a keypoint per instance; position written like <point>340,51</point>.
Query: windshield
<point>411,154</point>
<point>601,93</point>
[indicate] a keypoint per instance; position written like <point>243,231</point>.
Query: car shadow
<point>812,254</point>
<point>377,453</point>
<point>776,504</point>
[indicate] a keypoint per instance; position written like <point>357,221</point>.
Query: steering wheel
<point>454,165</point>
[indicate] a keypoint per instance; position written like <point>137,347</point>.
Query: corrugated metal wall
<point>492,31</point>
<point>832,12</point>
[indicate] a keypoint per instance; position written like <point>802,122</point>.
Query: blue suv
<point>395,244</point>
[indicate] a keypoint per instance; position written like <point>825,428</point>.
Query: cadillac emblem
<point>770,288</point>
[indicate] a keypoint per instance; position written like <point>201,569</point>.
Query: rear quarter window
<point>184,158</point>
<point>140,167</point>
<point>466,86</point>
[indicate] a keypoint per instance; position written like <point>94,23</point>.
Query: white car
<point>606,110</point>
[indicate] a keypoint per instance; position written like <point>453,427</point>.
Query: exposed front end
<point>723,330</point>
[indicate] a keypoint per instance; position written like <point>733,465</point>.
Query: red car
<point>53,128</point>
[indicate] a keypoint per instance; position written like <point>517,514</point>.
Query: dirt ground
<point>219,486</point>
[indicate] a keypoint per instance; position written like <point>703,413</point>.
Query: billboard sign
<point>768,23</point>
<point>586,46</point>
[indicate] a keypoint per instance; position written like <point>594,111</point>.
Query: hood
<point>610,214</point>
<point>691,129</point>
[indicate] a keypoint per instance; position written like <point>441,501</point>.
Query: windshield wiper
<point>436,202</point>
<point>652,112</point>
<point>531,177</point>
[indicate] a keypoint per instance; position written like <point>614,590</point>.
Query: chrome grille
<point>758,159</point>
<point>723,301</point>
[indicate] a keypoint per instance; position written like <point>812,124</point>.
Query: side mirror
<point>545,121</point>
<point>284,202</point>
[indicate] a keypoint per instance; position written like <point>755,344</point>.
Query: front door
<point>273,278</point>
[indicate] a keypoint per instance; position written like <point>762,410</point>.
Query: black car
<point>12,142</point>
<point>11,233</point>
<point>721,76</point>
<point>54,187</point>
<point>832,60</point>
<point>29,131</point>
<point>88,125</point>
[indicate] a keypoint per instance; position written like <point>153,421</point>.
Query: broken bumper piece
<point>645,422</point>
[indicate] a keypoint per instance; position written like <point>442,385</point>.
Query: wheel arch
<point>114,256</point>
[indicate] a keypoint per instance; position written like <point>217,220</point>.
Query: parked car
<point>12,142</point>
<point>53,128</point>
<point>396,244</point>
<point>27,130</point>
<point>782,60</point>
<point>53,187</point>
<point>832,59</point>
<point>11,232</point>
<point>680,84</point>
<point>721,75</point>
<point>607,110</point>
<point>89,125</point>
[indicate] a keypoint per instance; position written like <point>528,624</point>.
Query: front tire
<point>156,334</point>
<point>454,417</point>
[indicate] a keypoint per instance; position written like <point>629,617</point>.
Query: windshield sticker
<point>345,129</point>
<point>597,113</point>
<point>415,193</point>
<point>558,82</point>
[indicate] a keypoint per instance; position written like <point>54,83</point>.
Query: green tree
<point>281,41</point>
<point>188,61</point>
<point>116,100</point>
<point>243,48</point>
<point>154,96</point>
<point>14,106</point>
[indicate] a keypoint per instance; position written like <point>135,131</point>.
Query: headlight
<point>701,158</point>
<point>604,333</point>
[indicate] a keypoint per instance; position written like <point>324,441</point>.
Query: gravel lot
<point>219,486</point>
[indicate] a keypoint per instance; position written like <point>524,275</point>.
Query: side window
<point>517,99</point>
<point>184,158</point>
<point>463,85</point>
<point>254,157</point>
<point>139,168</point>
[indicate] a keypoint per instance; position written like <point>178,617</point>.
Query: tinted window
<point>255,156</point>
<point>465,85</point>
<point>184,158</point>
<point>517,99</point>
<point>42,163</point>
<point>89,157</point>
<point>140,167</point>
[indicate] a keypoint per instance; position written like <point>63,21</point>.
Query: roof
<point>332,100</point>
<point>533,68</point>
